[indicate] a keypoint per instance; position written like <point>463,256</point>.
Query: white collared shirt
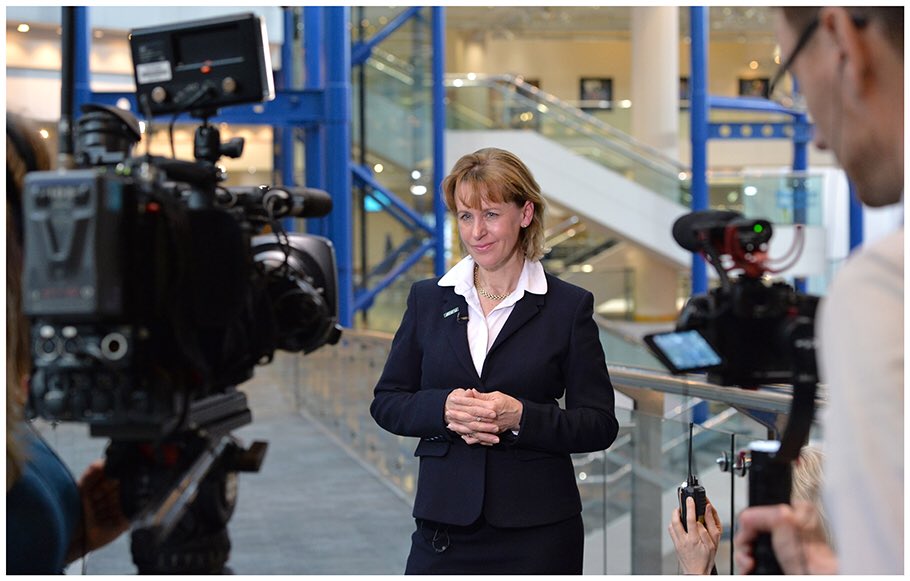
<point>483,330</point>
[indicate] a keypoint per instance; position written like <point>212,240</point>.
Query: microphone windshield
<point>688,227</point>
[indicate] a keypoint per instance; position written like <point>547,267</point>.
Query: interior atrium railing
<point>628,491</point>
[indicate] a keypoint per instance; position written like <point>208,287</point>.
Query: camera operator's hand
<point>103,518</point>
<point>796,536</point>
<point>696,549</point>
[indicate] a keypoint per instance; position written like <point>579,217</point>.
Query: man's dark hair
<point>889,18</point>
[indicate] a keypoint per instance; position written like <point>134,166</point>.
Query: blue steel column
<point>286,141</point>
<point>82,93</point>
<point>439,132</point>
<point>338,159</point>
<point>314,135</point>
<point>800,190</point>
<point>699,130</point>
<point>856,218</point>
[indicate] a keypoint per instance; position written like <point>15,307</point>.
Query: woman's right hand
<point>471,418</point>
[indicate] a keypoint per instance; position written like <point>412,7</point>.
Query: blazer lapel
<point>524,310</point>
<point>455,328</point>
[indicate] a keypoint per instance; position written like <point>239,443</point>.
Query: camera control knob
<point>55,399</point>
<point>229,85</point>
<point>159,94</point>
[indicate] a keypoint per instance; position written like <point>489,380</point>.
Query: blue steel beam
<point>364,176</point>
<point>365,298</point>
<point>362,50</point>
<point>289,107</point>
<point>439,129</point>
<point>756,130</point>
<point>750,104</point>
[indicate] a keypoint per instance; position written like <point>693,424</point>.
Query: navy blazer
<point>549,347</point>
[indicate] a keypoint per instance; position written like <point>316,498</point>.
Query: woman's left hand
<point>479,430</point>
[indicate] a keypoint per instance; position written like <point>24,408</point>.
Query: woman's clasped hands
<point>479,417</point>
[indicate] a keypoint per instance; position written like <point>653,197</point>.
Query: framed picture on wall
<point>685,92</point>
<point>596,89</point>
<point>757,87</point>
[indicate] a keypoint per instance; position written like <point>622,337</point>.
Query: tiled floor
<point>312,509</point>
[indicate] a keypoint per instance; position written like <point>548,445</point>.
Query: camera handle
<point>770,471</point>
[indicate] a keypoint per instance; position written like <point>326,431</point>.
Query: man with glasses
<point>849,65</point>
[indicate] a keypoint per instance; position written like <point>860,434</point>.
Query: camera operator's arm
<point>796,536</point>
<point>102,517</point>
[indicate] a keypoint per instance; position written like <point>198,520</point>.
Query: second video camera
<point>747,331</point>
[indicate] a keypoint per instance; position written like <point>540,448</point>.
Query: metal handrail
<point>771,398</point>
<point>593,129</point>
<point>654,158</point>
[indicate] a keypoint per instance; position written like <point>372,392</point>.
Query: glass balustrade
<point>628,491</point>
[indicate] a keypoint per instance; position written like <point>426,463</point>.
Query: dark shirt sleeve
<point>42,512</point>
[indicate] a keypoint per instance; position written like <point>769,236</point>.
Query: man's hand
<point>796,537</point>
<point>104,518</point>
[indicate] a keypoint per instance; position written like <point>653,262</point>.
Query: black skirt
<point>481,548</point>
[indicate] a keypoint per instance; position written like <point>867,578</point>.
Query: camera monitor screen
<point>683,351</point>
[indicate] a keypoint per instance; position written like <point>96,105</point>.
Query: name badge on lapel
<point>446,314</point>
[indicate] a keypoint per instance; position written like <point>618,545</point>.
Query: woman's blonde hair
<point>500,177</point>
<point>25,152</point>
<point>807,482</point>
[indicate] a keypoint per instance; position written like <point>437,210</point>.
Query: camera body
<point>754,326</point>
<point>151,290</point>
<point>762,332</point>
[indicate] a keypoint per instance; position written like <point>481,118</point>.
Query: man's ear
<point>855,60</point>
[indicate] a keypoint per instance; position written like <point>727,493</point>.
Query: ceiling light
<point>44,133</point>
<point>23,27</point>
<point>415,175</point>
<point>750,190</point>
<point>753,65</point>
<point>378,168</point>
<point>418,190</point>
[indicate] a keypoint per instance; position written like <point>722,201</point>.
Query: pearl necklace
<point>486,294</point>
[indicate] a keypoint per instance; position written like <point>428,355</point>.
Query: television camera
<point>153,290</point>
<point>747,332</point>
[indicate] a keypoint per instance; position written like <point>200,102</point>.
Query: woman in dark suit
<point>475,371</point>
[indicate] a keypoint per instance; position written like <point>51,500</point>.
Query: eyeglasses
<point>858,21</point>
<point>800,44</point>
